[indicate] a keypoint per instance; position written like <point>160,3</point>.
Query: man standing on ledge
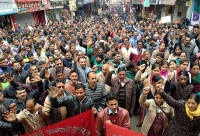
<point>112,114</point>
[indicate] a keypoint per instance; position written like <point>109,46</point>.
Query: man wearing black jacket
<point>75,104</point>
<point>20,75</point>
<point>5,127</point>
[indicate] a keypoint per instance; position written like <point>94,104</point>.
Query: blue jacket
<point>7,69</point>
<point>67,63</point>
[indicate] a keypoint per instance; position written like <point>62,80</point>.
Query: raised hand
<point>47,64</point>
<point>111,67</point>
<point>142,67</point>
<point>108,54</point>
<point>47,75</point>
<point>146,90</point>
<point>9,77</point>
<point>9,116</point>
<point>95,68</point>
<point>13,107</point>
<point>182,32</point>
<point>36,77</point>
<point>75,57</point>
<point>53,91</point>
<point>38,108</point>
<point>159,88</point>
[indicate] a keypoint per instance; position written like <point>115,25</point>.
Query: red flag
<point>80,125</point>
<point>114,130</point>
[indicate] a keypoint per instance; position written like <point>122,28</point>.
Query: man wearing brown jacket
<point>113,114</point>
<point>123,87</point>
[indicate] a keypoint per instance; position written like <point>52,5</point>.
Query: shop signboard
<point>153,2</point>
<point>167,2</point>
<point>99,11</point>
<point>72,5</point>
<point>28,6</point>
<point>56,6</point>
<point>195,18</point>
<point>166,19</point>
<point>188,3</point>
<point>8,8</point>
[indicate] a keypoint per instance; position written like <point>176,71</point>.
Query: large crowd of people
<point>112,66</point>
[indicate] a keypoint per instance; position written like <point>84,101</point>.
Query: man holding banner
<point>113,114</point>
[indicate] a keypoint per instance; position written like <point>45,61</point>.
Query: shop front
<point>7,7</point>
<point>54,10</point>
<point>150,7</point>
<point>170,9</point>
<point>89,7</point>
<point>28,11</point>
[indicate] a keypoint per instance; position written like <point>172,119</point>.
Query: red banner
<point>80,125</point>
<point>113,130</point>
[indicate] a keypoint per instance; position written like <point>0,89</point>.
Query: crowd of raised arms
<point>111,65</point>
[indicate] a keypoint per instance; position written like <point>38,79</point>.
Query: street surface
<point>134,121</point>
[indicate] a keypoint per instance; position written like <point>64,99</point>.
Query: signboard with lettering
<point>28,6</point>
<point>72,5</point>
<point>195,18</point>
<point>8,8</point>
<point>80,125</point>
<point>53,6</point>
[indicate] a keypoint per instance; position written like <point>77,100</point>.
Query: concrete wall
<point>182,8</point>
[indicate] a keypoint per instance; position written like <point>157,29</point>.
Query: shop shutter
<point>24,18</point>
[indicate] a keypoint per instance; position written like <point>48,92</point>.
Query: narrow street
<point>134,121</point>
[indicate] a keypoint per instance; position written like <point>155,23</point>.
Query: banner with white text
<point>113,130</point>
<point>80,125</point>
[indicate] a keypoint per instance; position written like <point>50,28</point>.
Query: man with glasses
<point>75,104</point>
<point>56,114</point>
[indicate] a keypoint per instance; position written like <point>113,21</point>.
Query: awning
<point>27,0</point>
<point>167,2</point>
<point>7,13</point>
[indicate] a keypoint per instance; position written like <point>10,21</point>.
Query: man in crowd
<point>112,114</point>
<point>123,87</point>
<point>96,91</point>
<point>75,104</point>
